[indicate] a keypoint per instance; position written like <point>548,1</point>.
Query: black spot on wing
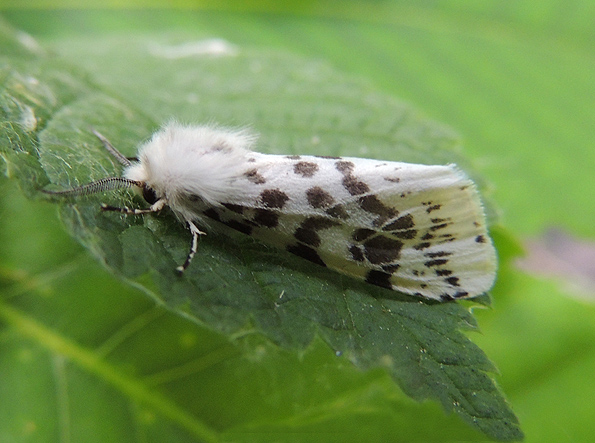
<point>305,169</point>
<point>239,226</point>
<point>402,223</point>
<point>338,211</point>
<point>306,252</point>
<point>273,198</point>
<point>402,227</point>
<point>406,235</point>
<point>361,234</point>
<point>238,209</point>
<point>437,254</point>
<point>437,262</point>
<point>421,246</point>
<point>356,253</point>
<point>319,223</point>
<point>391,269</point>
<point>438,227</point>
<point>449,297</point>
<point>379,278</point>
<point>344,167</point>
<point>242,226</point>
<point>354,186</point>
<point>319,198</point>
<point>372,204</point>
<point>382,250</point>
<point>211,213</point>
<point>443,272</point>
<point>254,176</point>
<point>266,218</point>
<point>306,232</point>
<point>307,236</point>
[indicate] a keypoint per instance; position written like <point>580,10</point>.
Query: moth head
<point>149,194</point>
<point>140,174</point>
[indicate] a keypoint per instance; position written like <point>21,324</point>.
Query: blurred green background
<point>515,79</point>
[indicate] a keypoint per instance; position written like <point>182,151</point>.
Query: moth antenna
<point>110,148</point>
<point>104,184</point>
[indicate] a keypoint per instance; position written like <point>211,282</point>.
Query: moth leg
<point>193,246</point>
<point>156,207</point>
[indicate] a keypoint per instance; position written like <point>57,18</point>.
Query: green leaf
<point>257,298</point>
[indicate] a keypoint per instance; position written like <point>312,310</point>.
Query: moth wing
<point>444,249</point>
<point>422,233</point>
<point>412,228</point>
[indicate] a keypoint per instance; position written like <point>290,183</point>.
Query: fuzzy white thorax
<point>203,161</point>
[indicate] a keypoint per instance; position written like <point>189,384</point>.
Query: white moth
<point>412,228</point>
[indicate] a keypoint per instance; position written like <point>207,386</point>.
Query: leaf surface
<point>235,286</point>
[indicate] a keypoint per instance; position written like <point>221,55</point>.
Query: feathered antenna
<point>104,184</point>
<point>125,161</point>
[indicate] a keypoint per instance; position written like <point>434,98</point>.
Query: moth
<point>417,229</point>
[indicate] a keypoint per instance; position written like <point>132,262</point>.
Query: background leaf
<point>249,289</point>
<point>516,81</point>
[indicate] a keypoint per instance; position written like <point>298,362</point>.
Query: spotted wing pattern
<point>412,228</point>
